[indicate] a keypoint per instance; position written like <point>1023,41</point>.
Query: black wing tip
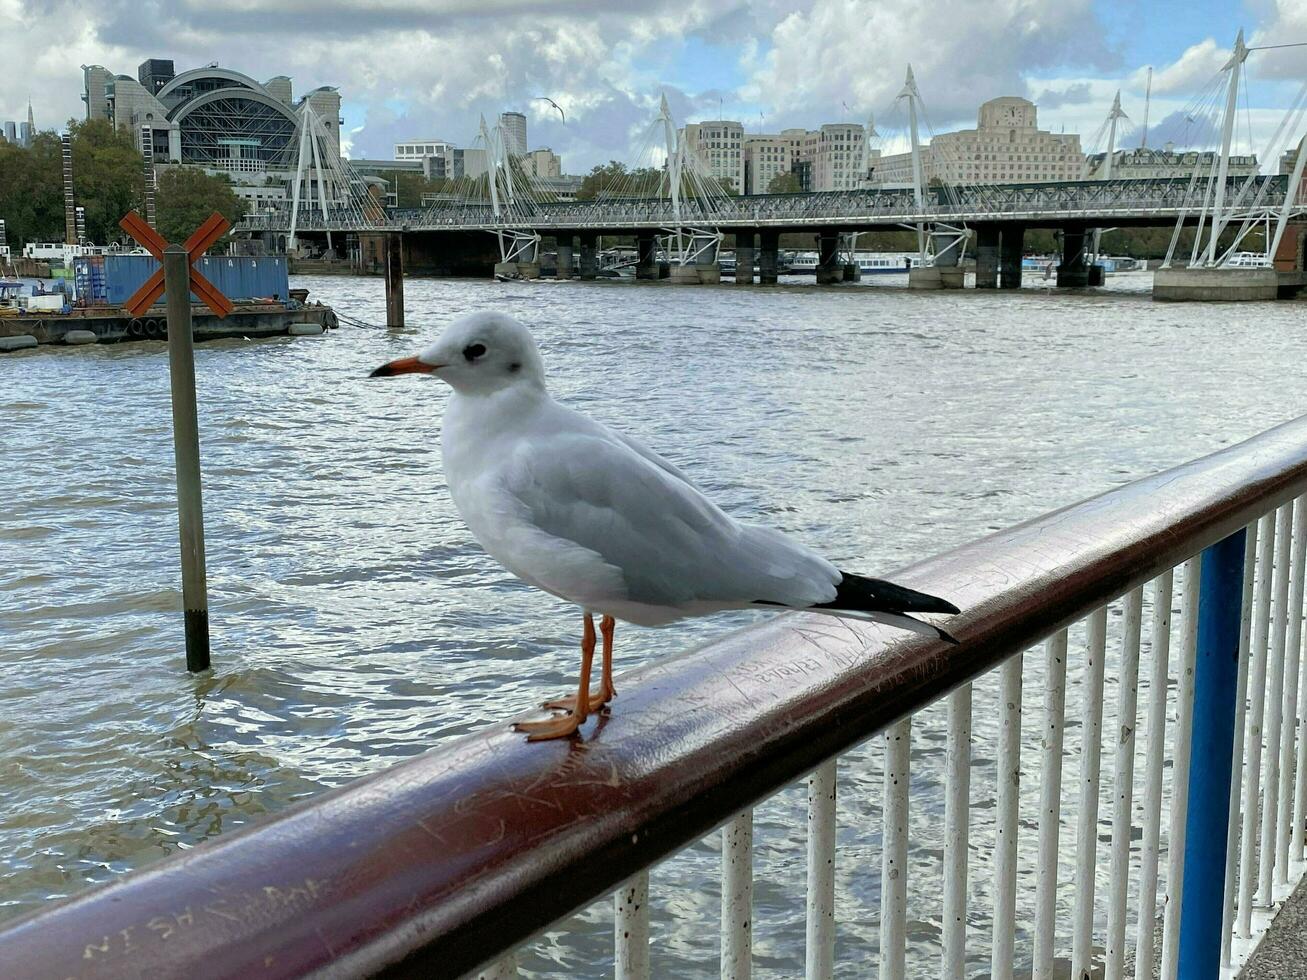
<point>860,592</point>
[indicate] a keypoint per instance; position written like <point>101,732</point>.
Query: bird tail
<point>888,603</point>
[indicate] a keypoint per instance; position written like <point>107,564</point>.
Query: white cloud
<point>416,68</point>
<point>856,51</point>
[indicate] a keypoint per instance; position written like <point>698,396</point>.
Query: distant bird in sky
<point>593,517</point>
<point>545,98</point>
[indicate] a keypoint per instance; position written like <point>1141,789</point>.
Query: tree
<point>31,191</point>
<point>108,177</point>
<point>612,179</point>
<point>186,196</point>
<point>785,183</point>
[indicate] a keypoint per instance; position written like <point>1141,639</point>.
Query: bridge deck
<point>1086,203</point>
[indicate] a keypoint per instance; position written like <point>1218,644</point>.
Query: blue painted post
<point>1212,757</point>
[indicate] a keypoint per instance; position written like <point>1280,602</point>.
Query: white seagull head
<point>478,354</point>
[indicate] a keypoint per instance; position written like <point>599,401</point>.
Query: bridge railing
<point>1121,651</point>
<point>1070,200</point>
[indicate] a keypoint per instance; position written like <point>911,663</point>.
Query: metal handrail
<point>444,861</point>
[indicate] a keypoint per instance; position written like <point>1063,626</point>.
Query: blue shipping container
<point>238,277</point>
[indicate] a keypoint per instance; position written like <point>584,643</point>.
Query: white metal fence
<point>1122,753</point>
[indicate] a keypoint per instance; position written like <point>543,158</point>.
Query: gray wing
<point>641,515</point>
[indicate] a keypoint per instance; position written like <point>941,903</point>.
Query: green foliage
<point>108,177</point>
<point>186,196</point>
<point>31,191</point>
<point>410,186</point>
<point>785,183</point>
<point>613,179</point>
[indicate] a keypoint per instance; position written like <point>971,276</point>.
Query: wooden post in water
<point>186,445</point>
<point>394,280</point>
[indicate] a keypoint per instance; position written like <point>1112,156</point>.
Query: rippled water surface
<point>356,623</point>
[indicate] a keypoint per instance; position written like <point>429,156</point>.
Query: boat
<point>871,263</point>
<point>1247,260</point>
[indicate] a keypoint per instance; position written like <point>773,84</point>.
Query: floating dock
<point>107,325</point>
<point>265,305</point>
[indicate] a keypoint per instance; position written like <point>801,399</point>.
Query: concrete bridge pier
<point>646,266</point>
<point>589,260</point>
<point>948,254</point>
<point>394,280</point>
<point>744,258</point>
<point>987,242</point>
<point>565,254</point>
<point>1073,271</point>
<point>1009,256</point>
<point>769,251</point>
<point>829,267</point>
<point>708,267</point>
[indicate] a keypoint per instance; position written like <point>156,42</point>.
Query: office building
<point>719,146</point>
<point>767,156</point>
<point>542,163</point>
<point>513,126</point>
<point>1006,147</point>
<point>1145,162</point>
<point>834,154</point>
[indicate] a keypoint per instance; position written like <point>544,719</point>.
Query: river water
<point>355,623</point>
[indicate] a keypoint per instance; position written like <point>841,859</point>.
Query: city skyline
<point>767,66</point>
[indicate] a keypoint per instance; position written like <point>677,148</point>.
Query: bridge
<point>1091,203</point>
<point>681,219</point>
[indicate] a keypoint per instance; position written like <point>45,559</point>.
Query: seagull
<point>545,98</point>
<point>593,517</point>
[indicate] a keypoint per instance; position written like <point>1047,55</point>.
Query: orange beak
<point>405,365</point>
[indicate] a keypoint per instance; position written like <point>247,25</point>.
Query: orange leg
<point>606,690</point>
<point>577,708</point>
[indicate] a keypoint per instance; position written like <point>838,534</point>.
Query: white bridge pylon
<point>929,234</point>
<point>515,244</point>
<point>1214,214</point>
<point>686,244</point>
<point>324,181</point>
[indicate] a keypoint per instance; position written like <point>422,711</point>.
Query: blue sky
<point>430,68</point>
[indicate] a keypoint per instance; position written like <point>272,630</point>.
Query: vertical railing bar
<point>1123,783</point>
<point>1252,798</point>
<point>1009,796</point>
<point>957,824</point>
<point>1180,771</point>
<point>1210,740</point>
<point>1292,661</point>
<point>1150,853</point>
<point>1050,805</point>
<point>1082,938</point>
<point>1237,773</point>
<point>894,860</point>
<point>737,897</point>
<point>631,929</point>
<point>1274,707</point>
<point>1298,840</point>
<point>821,872</point>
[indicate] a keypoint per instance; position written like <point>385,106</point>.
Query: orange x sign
<point>196,246</point>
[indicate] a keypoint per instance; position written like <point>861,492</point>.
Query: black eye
<point>473,351</point>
